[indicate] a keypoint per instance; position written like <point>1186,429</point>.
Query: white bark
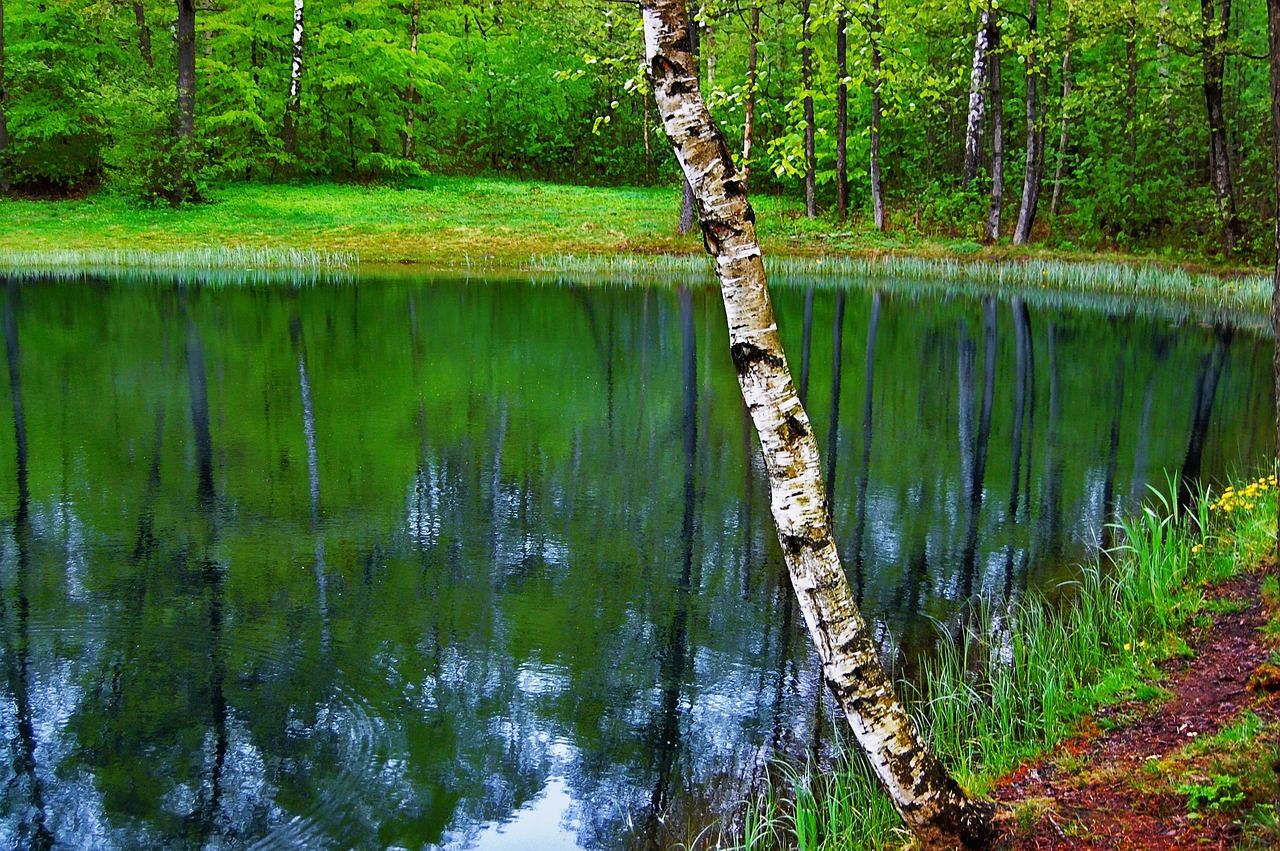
<point>977,82</point>
<point>294,102</point>
<point>930,801</point>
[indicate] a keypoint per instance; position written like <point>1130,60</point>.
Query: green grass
<point>1025,678</point>
<point>620,234</point>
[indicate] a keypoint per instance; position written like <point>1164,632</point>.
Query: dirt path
<point>1093,791</point>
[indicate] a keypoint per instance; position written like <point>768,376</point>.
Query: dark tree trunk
<point>4,122</point>
<point>1035,142</point>
<point>753,55</point>
<point>1216,18</point>
<point>810,125</point>
<point>686,199</point>
<point>877,190</point>
<point>842,116</point>
<point>290,135</point>
<point>1273,32</point>
<point>935,808</point>
<point>1056,203</point>
<point>1131,96</point>
<point>997,138</point>
<point>977,88</point>
<point>144,34</point>
<point>186,125</point>
<point>414,98</point>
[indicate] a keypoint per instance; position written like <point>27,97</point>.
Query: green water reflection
<point>415,564</point>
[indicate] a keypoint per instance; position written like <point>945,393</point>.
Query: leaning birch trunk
<point>929,799</point>
<point>290,135</point>
<point>977,83</point>
<point>1035,139</point>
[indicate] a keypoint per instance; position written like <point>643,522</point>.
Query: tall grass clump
<point>1021,677</point>
<point>1140,287</point>
<point>208,264</point>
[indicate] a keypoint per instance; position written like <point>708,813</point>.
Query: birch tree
<point>977,105</point>
<point>929,799</point>
<point>290,135</point>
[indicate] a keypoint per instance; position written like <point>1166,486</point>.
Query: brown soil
<point>1089,793</point>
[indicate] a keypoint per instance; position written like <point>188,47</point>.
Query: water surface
<point>423,564</point>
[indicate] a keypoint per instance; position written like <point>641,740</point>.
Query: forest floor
<point>1193,768</point>
<point>452,222</point>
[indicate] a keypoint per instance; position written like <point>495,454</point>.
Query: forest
<point>1076,123</point>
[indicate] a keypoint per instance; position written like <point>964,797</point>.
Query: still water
<point>420,564</point>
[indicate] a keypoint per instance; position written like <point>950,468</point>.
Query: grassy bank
<point>1025,678</point>
<point>481,223</point>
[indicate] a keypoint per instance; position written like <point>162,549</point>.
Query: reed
<point>1139,288</point>
<point>222,265</point>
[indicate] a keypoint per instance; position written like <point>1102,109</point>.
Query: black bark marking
<point>795,428</point>
<point>796,544</point>
<point>730,170</point>
<point>747,355</point>
<point>715,233</point>
<point>750,214</point>
<point>679,87</point>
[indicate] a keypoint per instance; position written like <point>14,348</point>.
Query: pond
<point>414,563</point>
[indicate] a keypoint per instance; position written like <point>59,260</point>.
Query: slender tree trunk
<point>1056,203</point>
<point>1035,142</point>
<point>997,139</point>
<point>977,104</point>
<point>4,108</point>
<point>753,56</point>
<point>415,98</point>
<point>290,135</point>
<point>686,200</point>
<point>1131,118</point>
<point>1216,19</point>
<point>931,802</point>
<point>810,125</point>
<point>186,37</point>
<point>144,34</point>
<point>842,116</point>
<point>877,189</point>
<point>1273,33</point>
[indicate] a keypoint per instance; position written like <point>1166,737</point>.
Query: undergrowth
<point>1026,676</point>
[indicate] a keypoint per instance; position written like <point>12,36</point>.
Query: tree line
<point>1139,121</point>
